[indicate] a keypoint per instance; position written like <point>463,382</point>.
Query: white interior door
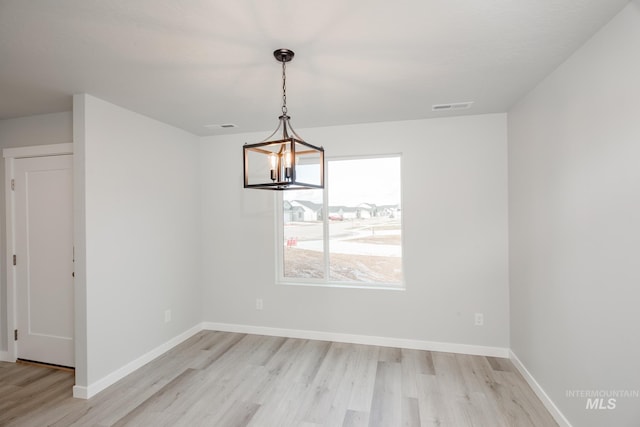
<point>43,195</point>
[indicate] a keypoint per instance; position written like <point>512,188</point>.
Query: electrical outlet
<point>259,304</point>
<point>479,319</point>
<point>167,316</point>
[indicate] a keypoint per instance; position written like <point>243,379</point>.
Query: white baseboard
<point>539,391</point>
<point>5,357</point>
<point>82,392</point>
<point>361,339</point>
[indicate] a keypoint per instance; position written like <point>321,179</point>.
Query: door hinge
<point>15,260</point>
<point>15,335</point>
<point>13,185</point>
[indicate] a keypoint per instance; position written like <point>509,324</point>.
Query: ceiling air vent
<point>454,106</point>
<point>222,126</point>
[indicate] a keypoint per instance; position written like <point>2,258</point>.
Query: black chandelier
<point>287,162</point>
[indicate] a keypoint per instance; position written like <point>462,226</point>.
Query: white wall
<point>25,131</point>
<point>455,237</point>
<point>140,183</point>
<point>574,203</point>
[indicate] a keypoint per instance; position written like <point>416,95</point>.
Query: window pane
<point>308,163</point>
<point>303,252</point>
<point>365,229</point>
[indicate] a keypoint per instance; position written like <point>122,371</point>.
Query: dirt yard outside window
<point>363,251</point>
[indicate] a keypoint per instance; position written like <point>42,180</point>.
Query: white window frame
<point>325,282</point>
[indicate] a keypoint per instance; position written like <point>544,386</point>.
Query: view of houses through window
<point>359,240</point>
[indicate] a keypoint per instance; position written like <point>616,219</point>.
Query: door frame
<point>10,155</point>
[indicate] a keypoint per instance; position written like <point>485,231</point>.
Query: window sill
<point>345,286</point>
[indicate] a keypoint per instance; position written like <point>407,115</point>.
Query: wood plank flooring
<point>225,379</point>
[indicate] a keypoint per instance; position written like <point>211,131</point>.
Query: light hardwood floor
<point>226,379</point>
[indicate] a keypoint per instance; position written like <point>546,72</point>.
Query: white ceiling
<point>191,63</point>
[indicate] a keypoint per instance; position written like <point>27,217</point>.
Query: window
<point>350,233</point>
